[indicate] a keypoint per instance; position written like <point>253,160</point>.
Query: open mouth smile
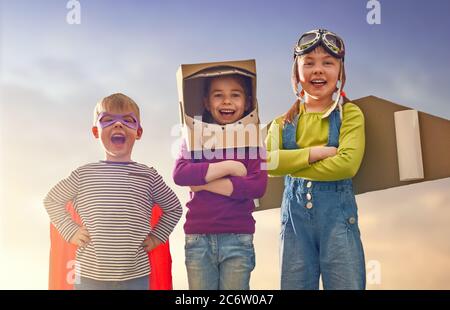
<point>227,112</point>
<point>318,82</point>
<point>118,139</point>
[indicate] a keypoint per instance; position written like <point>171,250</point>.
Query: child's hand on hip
<point>150,243</point>
<point>317,153</point>
<point>237,169</point>
<point>81,237</point>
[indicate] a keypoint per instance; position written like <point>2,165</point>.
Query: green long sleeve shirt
<point>312,131</point>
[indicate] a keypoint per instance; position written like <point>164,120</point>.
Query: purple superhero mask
<point>129,120</point>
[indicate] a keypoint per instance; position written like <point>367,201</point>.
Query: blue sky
<point>403,59</point>
<point>53,73</point>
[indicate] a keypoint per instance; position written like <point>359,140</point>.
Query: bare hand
<point>317,153</point>
<point>196,188</point>
<point>237,169</point>
<point>81,237</point>
<point>150,243</point>
<point>329,151</point>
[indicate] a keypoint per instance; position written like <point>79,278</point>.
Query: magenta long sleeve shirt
<point>211,213</point>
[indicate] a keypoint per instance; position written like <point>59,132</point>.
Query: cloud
<point>52,78</point>
<point>406,230</point>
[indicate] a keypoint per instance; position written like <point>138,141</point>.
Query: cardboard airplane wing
<point>403,146</point>
<point>62,258</point>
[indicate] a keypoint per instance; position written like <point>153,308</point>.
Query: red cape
<point>62,258</point>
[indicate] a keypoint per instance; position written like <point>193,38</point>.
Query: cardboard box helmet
<point>199,131</point>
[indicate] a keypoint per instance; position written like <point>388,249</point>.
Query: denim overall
<point>320,234</point>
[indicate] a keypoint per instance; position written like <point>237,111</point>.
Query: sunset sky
<point>53,73</point>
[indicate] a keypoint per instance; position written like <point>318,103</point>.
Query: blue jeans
<point>219,261</point>
<point>141,283</point>
<point>320,236</point>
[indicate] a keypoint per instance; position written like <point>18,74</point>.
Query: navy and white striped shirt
<point>114,201</point>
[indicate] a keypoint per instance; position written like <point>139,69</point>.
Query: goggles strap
<point>338,97</point>
<point>294,80</point>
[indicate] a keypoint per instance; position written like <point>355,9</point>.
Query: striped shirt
<point>114,201</point>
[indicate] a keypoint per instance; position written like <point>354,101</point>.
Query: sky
<point>52,73</point>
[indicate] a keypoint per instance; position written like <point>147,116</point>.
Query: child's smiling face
<point>318,72</point>
<point>226,101</point>
<point>117,139</point>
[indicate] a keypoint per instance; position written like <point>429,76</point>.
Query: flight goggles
<point>329,40</point>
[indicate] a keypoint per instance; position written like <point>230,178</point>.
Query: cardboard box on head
<point>202,135</point>
<point>403,146</point>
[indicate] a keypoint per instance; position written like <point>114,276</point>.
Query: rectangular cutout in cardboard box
<point>201,135</point>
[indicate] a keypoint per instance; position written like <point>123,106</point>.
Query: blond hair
<point>116,103</point>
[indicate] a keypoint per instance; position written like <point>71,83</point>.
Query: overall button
<point>308,196</point>
<point>352,220</point>
<point>309,205</point>
<point>309,184</point>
